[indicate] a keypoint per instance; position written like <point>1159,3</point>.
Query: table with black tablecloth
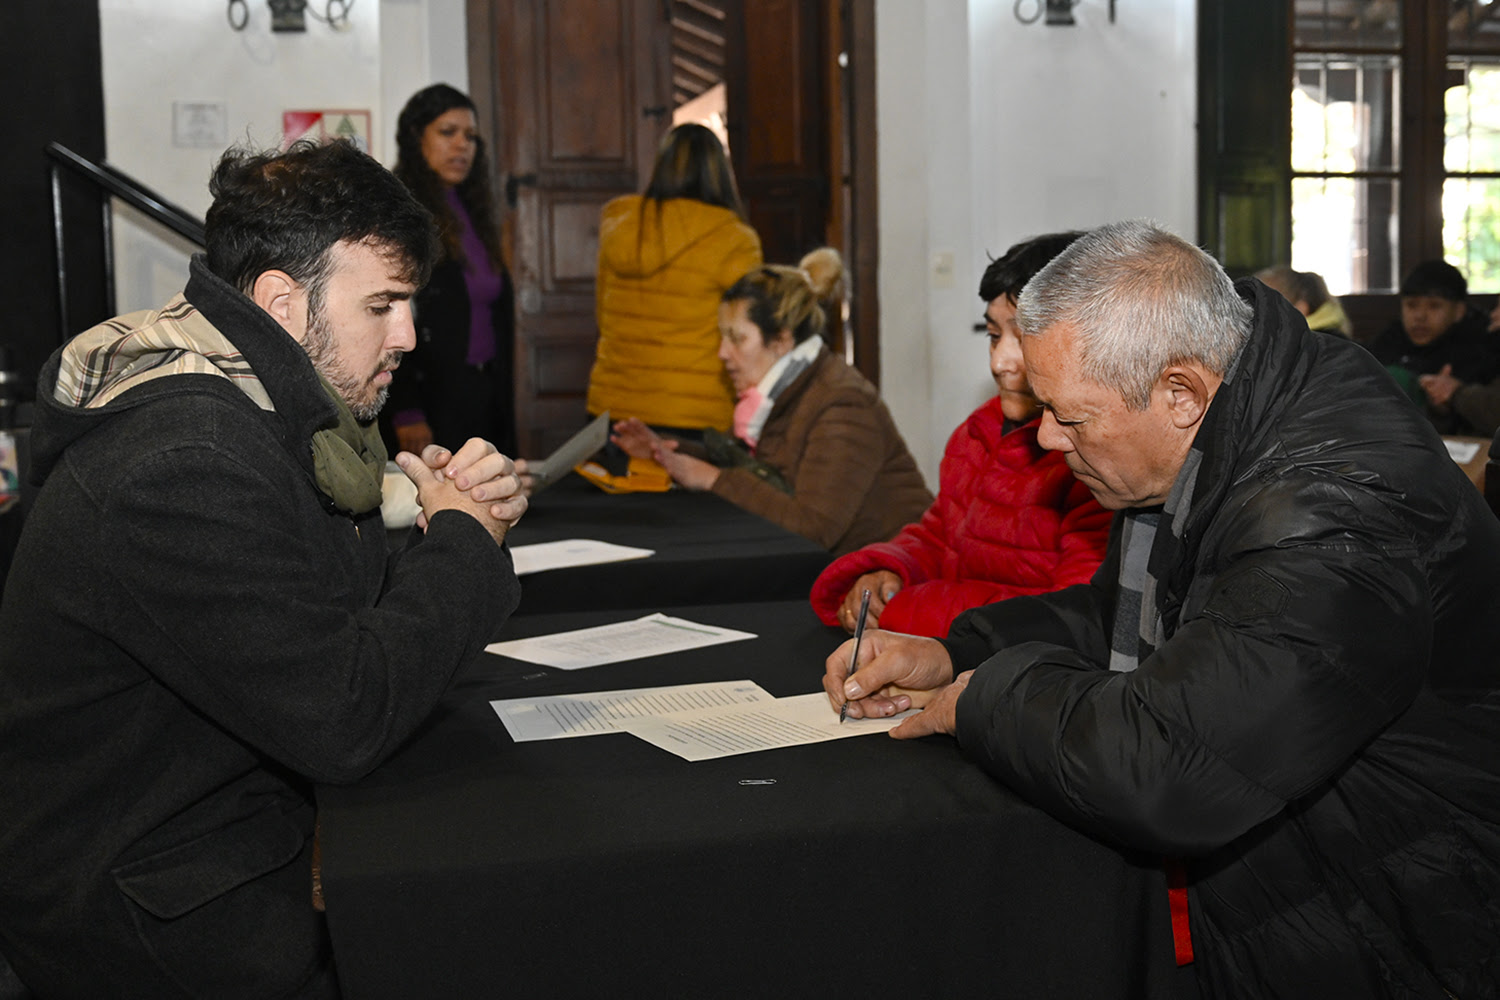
<point>707,551</point>
<point>468,865</point>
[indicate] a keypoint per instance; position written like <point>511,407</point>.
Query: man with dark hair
<point>202,619</point>
<point>1438,334</point>
<point>1283,677</point>
<point>1009,517</point>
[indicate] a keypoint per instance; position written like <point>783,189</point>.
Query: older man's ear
<point>1189,390</point>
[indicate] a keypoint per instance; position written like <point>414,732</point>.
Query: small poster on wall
<point>200,124</point>
<point>326,125</point>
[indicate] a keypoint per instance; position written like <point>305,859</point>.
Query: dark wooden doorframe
<point>861,218</point>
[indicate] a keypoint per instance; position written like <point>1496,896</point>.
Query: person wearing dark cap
<point>1438,334</point>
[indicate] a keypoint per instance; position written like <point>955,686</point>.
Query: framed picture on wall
<point>326,124</point>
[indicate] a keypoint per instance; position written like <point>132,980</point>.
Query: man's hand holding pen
<point>891,673</point>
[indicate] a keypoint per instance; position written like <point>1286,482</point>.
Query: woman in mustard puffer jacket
<point>665,259</point>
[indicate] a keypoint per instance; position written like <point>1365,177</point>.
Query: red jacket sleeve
<point>917,553</point>
<point>1009,521</point>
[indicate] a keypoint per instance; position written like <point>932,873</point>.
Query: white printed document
<point>571,552</point>
<point>564,715</point>
<point>654,635</point>
<point>766,725</point>
<point>1462,452</point>
<point>572,451</point>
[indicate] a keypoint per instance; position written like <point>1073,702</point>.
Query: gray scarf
<point>1138,629</point>
<point>1150,547</point>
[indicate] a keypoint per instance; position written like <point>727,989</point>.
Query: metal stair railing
<point>117,184</point>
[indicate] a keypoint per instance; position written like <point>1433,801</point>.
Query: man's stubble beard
<point>352,388</point>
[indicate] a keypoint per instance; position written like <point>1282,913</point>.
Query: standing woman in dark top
<point>459,382</point>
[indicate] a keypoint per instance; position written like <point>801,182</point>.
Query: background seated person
<point>1308,294</point>
<point>815,449</point>
<point>1009,517</point>
<point>1437,333</point>
<point>1475,404</point>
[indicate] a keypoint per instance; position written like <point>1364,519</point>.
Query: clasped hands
<point>1440,387</point>
<point>639,441</point>
<point>476,479</point>
<point>896,672</point>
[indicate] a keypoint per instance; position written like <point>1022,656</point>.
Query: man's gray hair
<point>1139,300</point>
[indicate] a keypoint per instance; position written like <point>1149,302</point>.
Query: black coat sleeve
<point>1305,635</point>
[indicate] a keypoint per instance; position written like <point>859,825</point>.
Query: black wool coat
<point>191,637</point>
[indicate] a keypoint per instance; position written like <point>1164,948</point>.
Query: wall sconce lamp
<point>1059,13</point>
<point>291,15</point>
<point>288,15</point>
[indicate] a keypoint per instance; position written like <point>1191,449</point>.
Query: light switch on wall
<point>942,269</point>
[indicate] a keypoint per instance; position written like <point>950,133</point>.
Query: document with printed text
<point>564,715</point>
<point>654,635</point>
<point>765,725</point>
<point>571,552</point>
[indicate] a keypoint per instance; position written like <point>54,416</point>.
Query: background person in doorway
<point>665,259</point>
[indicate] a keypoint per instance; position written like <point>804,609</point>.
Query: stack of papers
<point>564,715</point>
<point>723,732</point>
<point>693,721</point>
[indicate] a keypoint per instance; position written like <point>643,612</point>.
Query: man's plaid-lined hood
<point>122,363</point>
<point>101,363</point>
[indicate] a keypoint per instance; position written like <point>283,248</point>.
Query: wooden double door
<point>575,96</point>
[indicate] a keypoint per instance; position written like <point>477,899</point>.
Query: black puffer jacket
<point>1320,733</point>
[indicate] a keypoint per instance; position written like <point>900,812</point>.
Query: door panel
<point>572,80</point>
<point>778,121</point>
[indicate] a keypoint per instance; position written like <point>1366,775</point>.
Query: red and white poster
<point>325,125</point>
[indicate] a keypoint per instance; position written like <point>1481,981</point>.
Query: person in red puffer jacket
<point>1009,518</point>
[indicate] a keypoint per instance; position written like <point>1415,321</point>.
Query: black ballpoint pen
<point>859,633</point>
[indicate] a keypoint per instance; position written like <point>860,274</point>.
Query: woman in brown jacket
<point>815,450</point>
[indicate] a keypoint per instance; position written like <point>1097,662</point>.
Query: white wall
<point>156,52</point>
<point>992,131</point>
<point>421,42</point>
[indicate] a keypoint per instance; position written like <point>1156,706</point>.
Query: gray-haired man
<point>1285,670</point>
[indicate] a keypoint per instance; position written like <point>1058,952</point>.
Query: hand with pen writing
<point>896,672</point>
